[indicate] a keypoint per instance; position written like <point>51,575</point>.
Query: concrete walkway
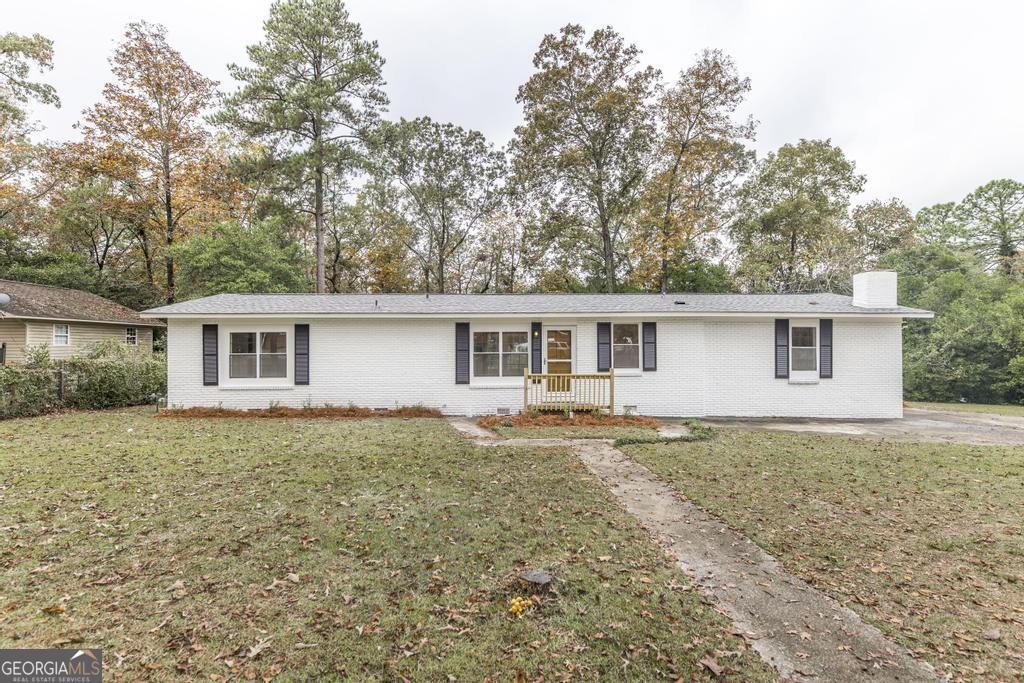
<point>800,631</point>
<point>941,426</point>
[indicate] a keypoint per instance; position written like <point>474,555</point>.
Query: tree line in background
<point>618,179</point>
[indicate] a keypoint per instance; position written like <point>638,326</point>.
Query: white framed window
<point>131,336</point>
<point>501,354</point>
<point>803,350</point>
<point>253,355</point>
<point>61,334</point>
<point>626,346</point>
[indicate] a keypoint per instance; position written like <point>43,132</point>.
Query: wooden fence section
<point>576,392</point>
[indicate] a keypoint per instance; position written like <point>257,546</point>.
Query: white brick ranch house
<point>694,355</point>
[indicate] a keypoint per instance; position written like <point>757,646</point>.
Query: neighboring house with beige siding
<point>65,321</point>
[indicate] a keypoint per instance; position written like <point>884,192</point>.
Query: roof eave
<point>142,322</point>
<point>565,314</point>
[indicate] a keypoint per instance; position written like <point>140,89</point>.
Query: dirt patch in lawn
<point>582,420</point>
<point>921,539</point>
<point>349,412</point>
<point>581,426</point>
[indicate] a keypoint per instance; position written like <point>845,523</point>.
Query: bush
<point>93,383</point>
<point>106,376</point>
<point>26,391</point>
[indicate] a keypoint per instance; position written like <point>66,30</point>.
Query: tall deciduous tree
<point>312,91</point>
<point>588,134</point>
<point>148,133</point>
<point>699,154</point>
<point>793,210</point>
<point>449,181</point>
<point>18,54</point>
<point>19,157</point>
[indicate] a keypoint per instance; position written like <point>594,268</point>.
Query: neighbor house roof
<point>44,302</point>
<point>448,305</point>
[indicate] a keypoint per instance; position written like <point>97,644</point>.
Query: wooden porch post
<point>611,392</point>
<point>526,389</point>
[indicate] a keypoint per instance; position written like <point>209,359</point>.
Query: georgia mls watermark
<point>52,665</point>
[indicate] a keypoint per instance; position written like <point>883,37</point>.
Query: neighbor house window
<point>131,336</point>
<point>803,350</point>
<point>500,354</point>
<point>258,354</point>
<point>626,346</point>
<point>61,334</point>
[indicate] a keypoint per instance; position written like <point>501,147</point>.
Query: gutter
<point>556,315</point>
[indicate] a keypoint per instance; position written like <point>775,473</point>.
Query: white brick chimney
<point>875,289</point>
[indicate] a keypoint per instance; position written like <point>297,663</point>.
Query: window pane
<point>242,366</point>
<point>805,359</point>
<point>626,356</point>
<point>803,336</point>
<point>486,364</point>
<point>485,342</point>
<point>624,334</point>
<point>272,342</point>
<point>513,364</point>
<point>559,345</point>
<point>273,365</point>
<point>516,342</point>
<point>243,342</point>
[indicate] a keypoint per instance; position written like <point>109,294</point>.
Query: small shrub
<point>26,391</point>
<point>37,357</point>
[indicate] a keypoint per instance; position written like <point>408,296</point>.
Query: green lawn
<point>924,540</point>
<point>1013,410</point>
<point>567,432</point>
<point>301,549</point>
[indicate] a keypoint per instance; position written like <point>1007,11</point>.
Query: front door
<point>558,350</point>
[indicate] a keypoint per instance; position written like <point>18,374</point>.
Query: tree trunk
<point>169,218</point>
<point>318,218</point>
<point>609,258</point>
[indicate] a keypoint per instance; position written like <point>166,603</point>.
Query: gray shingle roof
<point>511,304</point>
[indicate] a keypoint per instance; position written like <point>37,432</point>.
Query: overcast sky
<point>926,97</point>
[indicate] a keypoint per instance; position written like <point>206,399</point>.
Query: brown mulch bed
<point>350,412</point>
<point>558,420</point>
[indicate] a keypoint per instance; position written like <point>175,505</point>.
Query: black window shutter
<point>302,354</point>
<point>209,355</point>
<point>604,347</point>
<point>781,348</point>
<point>650,337</point>
<point>462,353</point>
<point>536,362</point>
<point>825,348</point>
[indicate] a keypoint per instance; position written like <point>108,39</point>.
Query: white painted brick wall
<point>706,367</point>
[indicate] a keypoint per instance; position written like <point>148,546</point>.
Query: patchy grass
<point>581,426</point>
<point>1012,410</point>
<point>333,412</point>
<point>306,549</point>
<point>924,540</point>
<point>698,431</point>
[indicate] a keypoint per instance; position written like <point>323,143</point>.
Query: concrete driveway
<point>916,425</point>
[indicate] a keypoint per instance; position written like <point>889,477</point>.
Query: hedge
<point>82,382</point>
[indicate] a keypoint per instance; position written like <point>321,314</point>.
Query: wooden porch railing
<point>576,392</point>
